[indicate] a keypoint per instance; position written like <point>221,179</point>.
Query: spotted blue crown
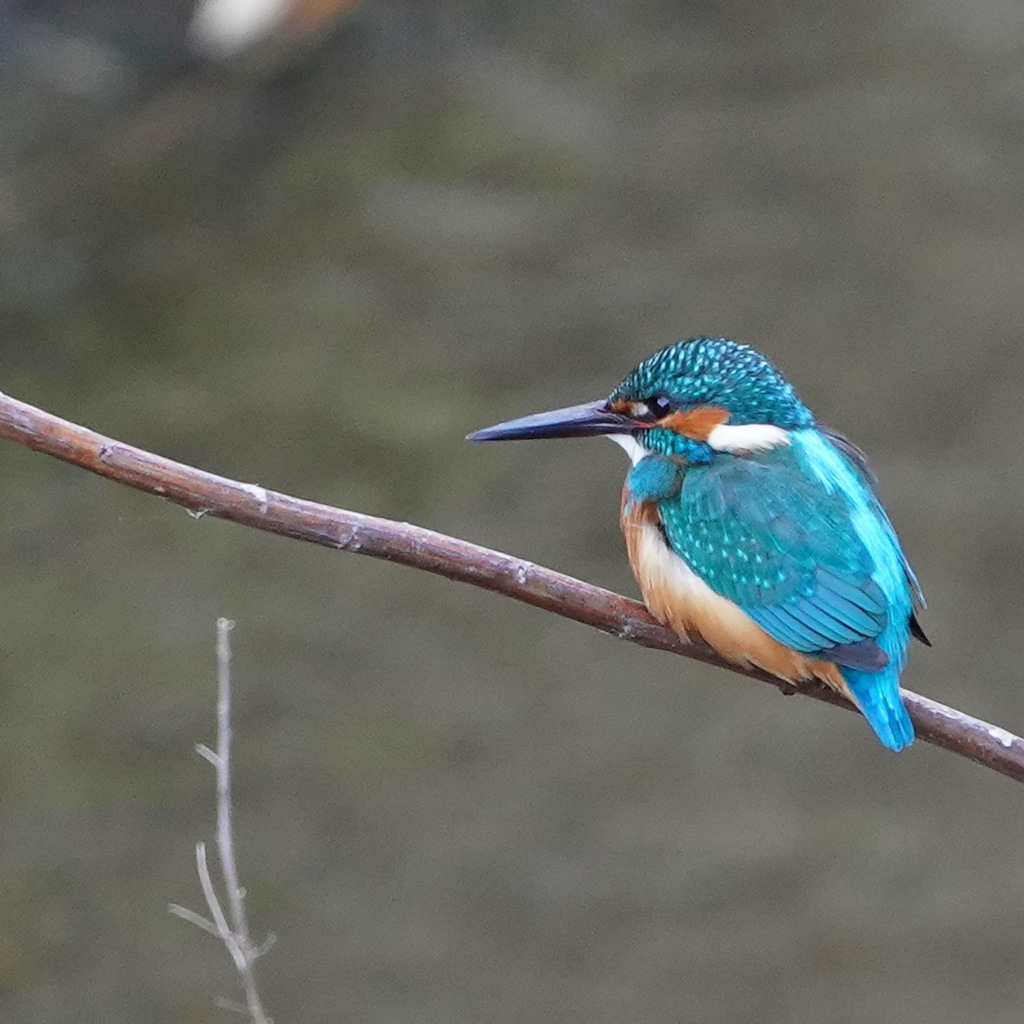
<point>717,371</point>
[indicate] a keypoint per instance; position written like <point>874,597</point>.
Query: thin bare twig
<point>193,918</point>
<point>234,934</point>
<point>225,830</point>
<point>203,494</point>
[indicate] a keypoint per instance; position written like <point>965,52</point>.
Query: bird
<point>751,526</point>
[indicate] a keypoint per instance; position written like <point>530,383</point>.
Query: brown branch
<point>251,505</point>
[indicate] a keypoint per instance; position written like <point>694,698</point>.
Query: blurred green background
<point>315,263</point>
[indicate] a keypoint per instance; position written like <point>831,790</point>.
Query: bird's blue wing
<point>856,457</point>
<point>764,535</point>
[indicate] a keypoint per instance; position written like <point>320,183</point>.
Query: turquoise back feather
<point>877,693</point>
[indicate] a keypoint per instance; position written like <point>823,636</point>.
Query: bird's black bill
<point>576,421</point>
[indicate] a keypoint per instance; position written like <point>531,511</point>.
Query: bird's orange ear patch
<point>696,423</point>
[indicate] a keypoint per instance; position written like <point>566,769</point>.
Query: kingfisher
<point>753,527</point>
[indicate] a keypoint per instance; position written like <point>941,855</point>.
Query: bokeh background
<point>317,258</point>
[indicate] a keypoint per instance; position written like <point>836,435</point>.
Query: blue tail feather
<point>878,695</point>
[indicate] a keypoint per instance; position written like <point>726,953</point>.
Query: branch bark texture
<point>251,505</point>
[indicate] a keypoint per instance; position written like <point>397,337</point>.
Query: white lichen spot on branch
<point>627,631</point>
<point>259,494</point>
<point>347,538</point>
<point>1001,736</point>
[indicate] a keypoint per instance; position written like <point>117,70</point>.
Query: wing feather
<point>762,534</point>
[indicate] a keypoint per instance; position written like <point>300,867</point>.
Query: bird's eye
<point>659,405</point>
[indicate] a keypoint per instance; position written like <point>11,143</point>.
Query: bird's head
<point>690,399</point>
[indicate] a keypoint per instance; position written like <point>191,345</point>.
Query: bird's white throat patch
<point>738,439</point>
<point>630,445</point>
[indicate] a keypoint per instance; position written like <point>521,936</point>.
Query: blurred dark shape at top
<point>81,46</point>
<point>223,29</point>
<point>107,100</point>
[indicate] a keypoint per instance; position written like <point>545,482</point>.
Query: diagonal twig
<point>203,493</point>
